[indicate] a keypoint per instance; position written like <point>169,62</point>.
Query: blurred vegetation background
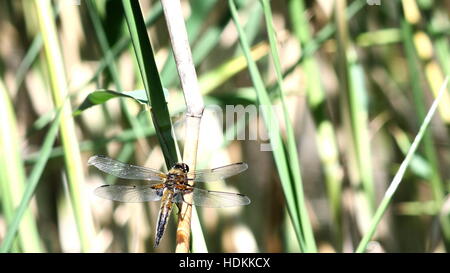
<point>350,83</point>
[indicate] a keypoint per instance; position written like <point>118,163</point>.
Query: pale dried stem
<point>194,104</point>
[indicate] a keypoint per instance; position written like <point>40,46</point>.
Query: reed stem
<point>194,105</point>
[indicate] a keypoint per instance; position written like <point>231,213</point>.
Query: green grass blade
<point>275,138</point>
<point>253,24</point>
<point>151,80</point>
<point>72,156</point>
<point>358,101</point>
<point>326,146</point>
<point>431,154</point>
<point>401,171</point>
<point>101,96</point>
<point>31,184</point>
<point>12,175</point>
<point>292,152</point>
<point>354,116</point>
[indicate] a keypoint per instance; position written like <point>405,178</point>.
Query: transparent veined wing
<point>129,194</point>
<point>219,173</point>
<point>217,199</point>
<point>126,171</point>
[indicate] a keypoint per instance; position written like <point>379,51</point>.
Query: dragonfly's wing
<point>123,170</point>
<point>219,173</point>
<point>216,199</point>
<point>129,194</point>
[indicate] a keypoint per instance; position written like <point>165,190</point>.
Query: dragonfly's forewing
<point>219,173</point>
<point>129,194</point>
<point>126,171</point>
<point>216,199</point>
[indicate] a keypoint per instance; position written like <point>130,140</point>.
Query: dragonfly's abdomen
<point>164,213</point>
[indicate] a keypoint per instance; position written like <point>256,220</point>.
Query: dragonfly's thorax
<point>176,176</point>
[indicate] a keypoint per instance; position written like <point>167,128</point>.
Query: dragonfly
<point>169,188</point>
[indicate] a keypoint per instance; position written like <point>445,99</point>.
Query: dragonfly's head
<point>182,167</point>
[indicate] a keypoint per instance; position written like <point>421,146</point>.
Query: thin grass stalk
<point>253,23</point>
<point>360,124</point>
<point>275,140</point>
<point>72,156</point>
<point>436,182</point>
<point>194,112</point>
<point>327,146</point>
<point>419,166</point>
<point>354,116</point>
<point>12,176</point>
<point>32,182</point>
<point>292,152</point>
<point>400,173</point>
<point>288,233</point>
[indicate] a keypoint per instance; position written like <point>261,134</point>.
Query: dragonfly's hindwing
<point>130,194</point>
